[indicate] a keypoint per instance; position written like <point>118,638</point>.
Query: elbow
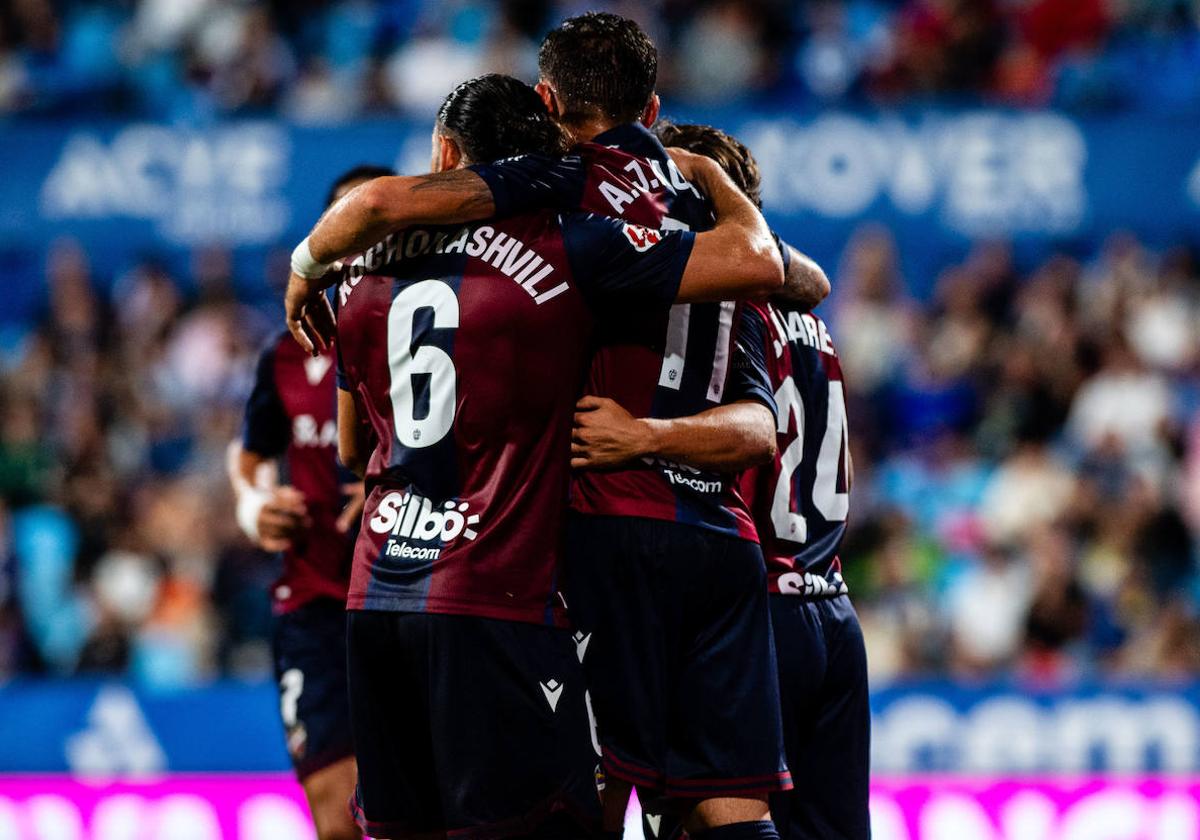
<point>754,452</point>
<point>821,285</point>
<point>373,199</point>
<point>757,443</point>
<point>766,267</point>
<point>761,450</point>
<point>813,288</point>
<point>352,461</point>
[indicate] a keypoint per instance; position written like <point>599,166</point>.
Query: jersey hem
<point>445,606</point>
<point>595,510</point>
<point>295,602</point>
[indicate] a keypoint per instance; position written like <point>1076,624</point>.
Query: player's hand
<point>309,315</point>
<point>282,519</point>
<point>352,512</point>
<point>606,435</point>
<point>697,169</point>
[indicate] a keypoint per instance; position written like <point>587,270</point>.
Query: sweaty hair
<point>496,116</point>
<point>713,143</point>
<point>600,65</point>
<point>362,172</point>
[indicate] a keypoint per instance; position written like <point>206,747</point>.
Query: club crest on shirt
<point>642,238</point>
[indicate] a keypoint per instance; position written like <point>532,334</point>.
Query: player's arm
<point>726,439</point>
<point>362,217</point>
<point>729,438</point>
<point>738,259</point>
<point>804,281</point>
<point>382,205</point>
<point>374,209</point>
<point>353,446</point>
<point>271,516</point>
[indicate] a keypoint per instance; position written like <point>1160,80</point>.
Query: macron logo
<point>553,691</point>
<point>581,644</point>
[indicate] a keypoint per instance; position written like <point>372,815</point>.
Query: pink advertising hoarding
<point>914,808</point>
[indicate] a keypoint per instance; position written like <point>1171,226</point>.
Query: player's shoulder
<point>582,229</point>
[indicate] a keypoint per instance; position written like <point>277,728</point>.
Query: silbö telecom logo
<point>411,516</point>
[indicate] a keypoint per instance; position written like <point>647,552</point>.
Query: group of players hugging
<point>606,478</point>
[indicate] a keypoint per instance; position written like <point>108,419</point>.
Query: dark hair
<point>729,152</point>
<point>362,172</point>
<point>496,116</point>
<point>599,64</point>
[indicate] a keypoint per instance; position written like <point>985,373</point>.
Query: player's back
<point>466,359</point>
<point>466,349</point>
<point>654,363</point>
<point>801,500</point>
<point>657,364</point>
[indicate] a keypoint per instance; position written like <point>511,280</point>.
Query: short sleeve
<point>613,260</point>
<point>748,375</point>
<point>266,430</point>
<point>534,182</point>
<point>339,370</point>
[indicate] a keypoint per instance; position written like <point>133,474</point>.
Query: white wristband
<point>250,501</point>
<point>304,264</point>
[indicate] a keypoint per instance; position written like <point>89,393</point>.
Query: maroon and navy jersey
<point>466,348</point>
<point>801,499</point>
<point>655,363</point>
<point>291,415</point>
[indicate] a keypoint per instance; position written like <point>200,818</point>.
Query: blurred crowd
<point>1026,450</point>
<point>333,60</point>
<point>1027,456</point>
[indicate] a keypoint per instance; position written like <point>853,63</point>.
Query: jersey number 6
<point>407,363</point>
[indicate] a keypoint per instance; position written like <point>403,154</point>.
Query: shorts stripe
<point>633,773</point>
<point>696,788</point>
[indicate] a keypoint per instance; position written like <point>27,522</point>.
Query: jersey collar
<point>632,137</point>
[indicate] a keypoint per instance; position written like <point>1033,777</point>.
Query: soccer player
<point>800,503</point>
<point>312,519</point>
<point>663,527</point>
<point>466,347</point>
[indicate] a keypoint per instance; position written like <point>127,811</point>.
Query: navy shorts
<point>469,727</point>
<point>310,668</point>
<point>674,624</point>
<point>826,719</point>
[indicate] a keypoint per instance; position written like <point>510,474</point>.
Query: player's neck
<point>585,130</point>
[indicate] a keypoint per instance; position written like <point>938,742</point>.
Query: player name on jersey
<point>801,328</point>
<point>510,256</point>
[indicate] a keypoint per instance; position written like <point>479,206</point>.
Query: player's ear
<point>548,98</point>
<point>449,154</point>
<point>650,114</point>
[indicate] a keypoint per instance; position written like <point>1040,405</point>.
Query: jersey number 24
<point>829,502</point>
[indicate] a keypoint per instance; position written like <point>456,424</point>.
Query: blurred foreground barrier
<point>271,807</point>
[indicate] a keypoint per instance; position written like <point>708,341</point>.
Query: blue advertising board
<point>940,179</point>
<point>112,729</point>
